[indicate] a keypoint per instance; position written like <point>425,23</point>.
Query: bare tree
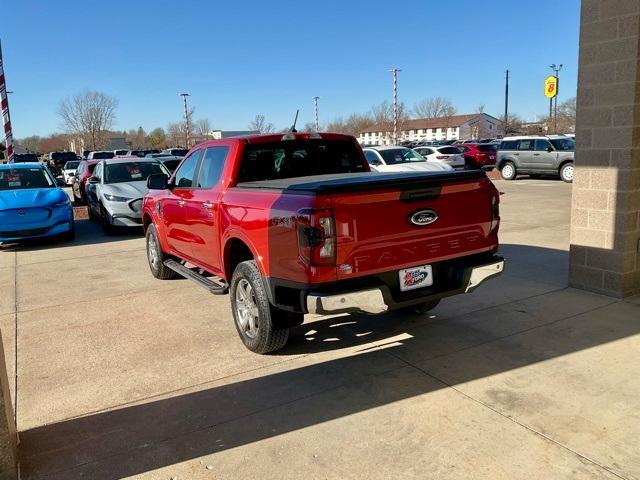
<point>202,126</point>
<point>260,124</point>
<point>176,134</point>
<point>383,112</point>
<point>567,116</point>
<point>435,107</point>
<point>480,108</point>
<point>31,144</point>
<point>88,114</point>
<point>512,124</point>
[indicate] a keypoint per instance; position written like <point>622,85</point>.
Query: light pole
<point>506,103</point>
<point>556,69</point>
<point>315,108</point>
<point>186,120</point>
<point>394,71</point>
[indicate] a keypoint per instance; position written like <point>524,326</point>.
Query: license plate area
<point>415,277</point>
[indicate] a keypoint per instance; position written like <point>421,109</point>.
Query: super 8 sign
<point>551,86</point>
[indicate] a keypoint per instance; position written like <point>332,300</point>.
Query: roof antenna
<point>295,120</point>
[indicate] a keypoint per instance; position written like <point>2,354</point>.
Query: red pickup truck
<point>296,223</point>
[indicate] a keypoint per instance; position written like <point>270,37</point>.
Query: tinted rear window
<point>171,164</point>
<point>449,150</point>
<point>71,165</point>
<point>509,145</point>
<point>63,156</point>
<point>564,144</point>
<point>102,155</point>
<point>486,148</point>
<point>25,157</point>
<point>297,158</point>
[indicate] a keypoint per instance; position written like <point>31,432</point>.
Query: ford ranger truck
<point>296,223</point>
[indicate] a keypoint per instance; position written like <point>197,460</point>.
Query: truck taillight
<point>317,236</point>
<point>495,208</point>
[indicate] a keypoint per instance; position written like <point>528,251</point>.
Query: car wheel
<point>92,216</point>
<point>253,315</point>
<point>106,224</point>
<point>76,200</point>
<point>566,172</point>
<point>422,308</point>
<point>508,171</point>
<point>156,256</point>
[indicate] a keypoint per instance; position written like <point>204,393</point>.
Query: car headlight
<point>115,198</point>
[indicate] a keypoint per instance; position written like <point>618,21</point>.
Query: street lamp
<point>186,119</point>
<point>556,70</point>
<point>394,71</point>
<point>315,108</point>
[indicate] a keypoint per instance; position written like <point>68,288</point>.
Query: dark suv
<point>536,155</point>
<point>57,160</point>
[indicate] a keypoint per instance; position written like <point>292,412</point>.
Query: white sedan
<point>445,154</point>
<point>400,159</point>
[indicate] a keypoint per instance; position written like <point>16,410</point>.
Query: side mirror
<point>549,149</point>
<point>93,180</point>
<point>157,181</point>
<point>60,182</point>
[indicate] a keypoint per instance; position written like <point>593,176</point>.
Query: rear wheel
<point>566,172</point>
<point>508,171</point>
<point>156,257</point>
<point>257,322</point>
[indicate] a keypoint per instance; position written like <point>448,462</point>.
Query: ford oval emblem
<point>423,217</point>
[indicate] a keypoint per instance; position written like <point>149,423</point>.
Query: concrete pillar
<point>605,210</point>
<point>8,455</point>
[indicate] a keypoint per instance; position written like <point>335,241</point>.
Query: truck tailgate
<point>412,224</point>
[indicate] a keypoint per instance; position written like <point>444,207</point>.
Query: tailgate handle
<point>420,194</point>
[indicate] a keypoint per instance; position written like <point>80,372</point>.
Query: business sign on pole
<point>551,86</point>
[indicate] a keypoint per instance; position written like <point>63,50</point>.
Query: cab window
<point>525,144</point>
<point>186,173</point>
<point>542,145</point>
<point>211,166</point>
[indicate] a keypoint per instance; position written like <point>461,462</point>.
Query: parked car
<point>117,153</point>
<point>57,160</point>
<point>32,204</point>
<point>141,153</point>
<point>69,171</point>
<point>116,188</point>
<point>296,223</point>
<point>100,155</point>
<point>479,155</point>
<point>399,159</point>
<point>171,162</point>
<point>446,155</point>
<point>78,187</point>
<point>25,158</point>
<point>85,153</point>
<point>536,155</point>
<point>177,151</point>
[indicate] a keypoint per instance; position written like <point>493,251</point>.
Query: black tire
<point>107,228</point>
<point>265,336</point>
<point>508,171</point>
<point>76,201</point>
<point>157,266</point>
<point>422,308</point>
<point>566,172</point>
<point>92,216</point>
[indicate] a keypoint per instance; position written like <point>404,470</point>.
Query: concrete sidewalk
<point>524,378</point>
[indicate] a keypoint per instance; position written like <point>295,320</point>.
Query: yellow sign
<point>551,86</point>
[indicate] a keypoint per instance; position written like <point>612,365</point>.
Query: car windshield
<point>25,157</point>
<point>394,156</point>
<point>71,165</point>
<point>102,155</point>
<point>58,156</point>
<point>131,171</point>
<point>23,178</point>
<point>171,164</point>
<point>299,158</point>
<point>564,144</point>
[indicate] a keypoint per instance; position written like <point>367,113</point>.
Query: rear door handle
<point>208,205</point>
<point>181,203</point>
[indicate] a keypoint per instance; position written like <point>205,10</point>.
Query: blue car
<point>32,205</point>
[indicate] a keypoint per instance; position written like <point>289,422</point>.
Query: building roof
<point>422,123</point>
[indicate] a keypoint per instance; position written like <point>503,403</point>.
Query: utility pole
<point>315,109</point>
<point>186,120</point>
<point>4,106</point>
<point>506,102</point>
<point>556,69</point>
<point>394,71</point>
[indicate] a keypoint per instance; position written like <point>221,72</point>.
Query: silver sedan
<point>116,189</point>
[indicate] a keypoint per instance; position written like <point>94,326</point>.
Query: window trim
<point>196,171</point>
<point>201,161</point>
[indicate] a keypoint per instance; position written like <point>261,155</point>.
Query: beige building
<point>455,127</point>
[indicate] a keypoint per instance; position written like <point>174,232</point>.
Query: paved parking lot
<point>121,375</point>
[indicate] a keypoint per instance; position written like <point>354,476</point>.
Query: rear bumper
<point>376,294</point>
<point>375,301</point>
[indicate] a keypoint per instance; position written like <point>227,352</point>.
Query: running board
<point>217,287</point>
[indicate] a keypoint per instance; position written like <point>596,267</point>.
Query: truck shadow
<point>364,376</point>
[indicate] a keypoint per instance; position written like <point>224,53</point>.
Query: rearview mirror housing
<point>157,181</point>
<point>93,180</point>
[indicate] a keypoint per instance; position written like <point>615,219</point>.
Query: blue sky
<point>238,59</point>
